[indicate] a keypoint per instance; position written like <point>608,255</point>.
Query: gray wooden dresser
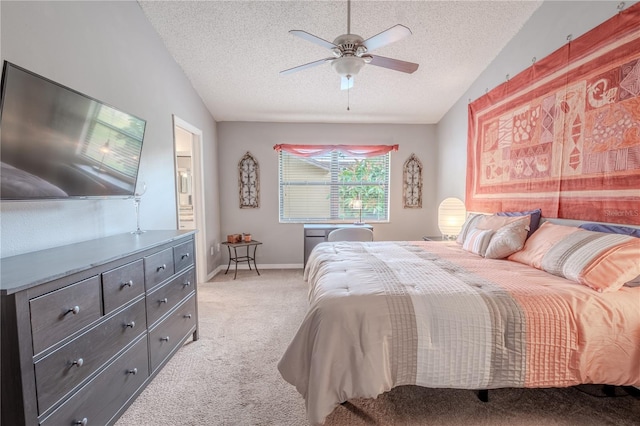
<point>86,326</point>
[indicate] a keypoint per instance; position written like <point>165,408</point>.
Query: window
<point>334,184</point>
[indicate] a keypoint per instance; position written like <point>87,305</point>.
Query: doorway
<point>187,143</point>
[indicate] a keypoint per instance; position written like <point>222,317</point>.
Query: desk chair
<point>350,234</point>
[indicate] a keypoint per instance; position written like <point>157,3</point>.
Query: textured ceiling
<point>233,51</point>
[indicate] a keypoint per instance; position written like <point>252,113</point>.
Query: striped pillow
<point>468,225</point>
<point>477,241</point>
<point>604,262</point>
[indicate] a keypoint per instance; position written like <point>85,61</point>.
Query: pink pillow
<point>547,235</point>
<point>604,262</point>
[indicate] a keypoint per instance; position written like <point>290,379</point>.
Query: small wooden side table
<point>246,258</point>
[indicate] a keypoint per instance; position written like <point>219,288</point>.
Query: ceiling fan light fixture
<point>347,65</point>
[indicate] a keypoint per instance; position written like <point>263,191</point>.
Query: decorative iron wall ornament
<point>249,182</point>
<point>412,183</point>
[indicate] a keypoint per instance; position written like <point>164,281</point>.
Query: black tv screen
<point>58,143</point>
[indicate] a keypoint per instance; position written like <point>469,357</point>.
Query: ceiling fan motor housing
<point>350,45</point>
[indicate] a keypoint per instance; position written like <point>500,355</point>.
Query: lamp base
<point>358,223</point>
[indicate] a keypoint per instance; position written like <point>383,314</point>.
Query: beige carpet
<point>229,376</point>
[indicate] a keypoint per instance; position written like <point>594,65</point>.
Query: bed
<point>435,314</point>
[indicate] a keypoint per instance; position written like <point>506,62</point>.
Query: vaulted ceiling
<point>233,52</point>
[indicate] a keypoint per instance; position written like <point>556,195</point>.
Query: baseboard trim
<point>277,266</point>
<point>222,268</point>
<point>264,266</point>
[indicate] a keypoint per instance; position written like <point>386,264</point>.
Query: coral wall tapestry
<point>564,134</point>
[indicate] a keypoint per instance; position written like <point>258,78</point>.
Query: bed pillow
<point>540,242</point>
<point>508,239</point>
<point>534,222</point>
<point>477,241</point>
<point>495,222</point>
<point>634,282</point>
<point>616,229</point>
<point>468,225</point>
<point>604,262</point>
<point>611,229</point>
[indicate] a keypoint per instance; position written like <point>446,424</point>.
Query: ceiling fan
<point>351,52</point>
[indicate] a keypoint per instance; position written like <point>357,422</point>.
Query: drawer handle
<point>127,284</point>
<point>78,362</point>
<point>163,300</point>
<point>131,324</point>
<point>164,339</point>
<point>184,256</point>
<point>73,310</point>
<point>82,422</point>
<point>162,268</point>
<point>187,316</point>
<point>133,371</point>
<point>186,284</point>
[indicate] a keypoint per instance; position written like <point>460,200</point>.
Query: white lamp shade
<point>451,216</point>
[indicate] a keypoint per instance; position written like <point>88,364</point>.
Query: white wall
<point>109,51</point>
<point>283,243</point>
<point>545,32</point>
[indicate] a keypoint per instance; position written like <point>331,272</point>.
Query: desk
<point>316,233</point>
<point>246,258</point>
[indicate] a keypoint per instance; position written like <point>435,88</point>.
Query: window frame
<point>339,210</point>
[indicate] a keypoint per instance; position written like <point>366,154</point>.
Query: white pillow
<point>508,239</point>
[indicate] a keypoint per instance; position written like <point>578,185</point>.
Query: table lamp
<point>451,217</point>
<point>357,205</point>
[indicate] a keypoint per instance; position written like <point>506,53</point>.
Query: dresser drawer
<point>158,267</point>
<point>103,396</point>
<point>62,370</point>
<point>61,313</point>
<point>122,284</point>
<point>166,297</point>
<point>317,232</point>
<point>169,333</point>
<point>183,255</point>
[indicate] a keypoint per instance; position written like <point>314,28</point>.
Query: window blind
<point>331,187</point>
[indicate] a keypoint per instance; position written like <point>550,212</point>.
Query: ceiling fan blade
<point>393,64</point>
<point>393,34</point>
<point>313,39</point>
<point>305,66</point>
<point>346,83</point>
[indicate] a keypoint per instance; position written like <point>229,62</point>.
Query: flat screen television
<point>56,143</point>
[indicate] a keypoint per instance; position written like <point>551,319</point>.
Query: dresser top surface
<point>27,270</point>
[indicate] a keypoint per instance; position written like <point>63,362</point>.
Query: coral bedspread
<point>385,314</point>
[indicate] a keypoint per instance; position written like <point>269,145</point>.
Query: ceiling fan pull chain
<point>348,109</point>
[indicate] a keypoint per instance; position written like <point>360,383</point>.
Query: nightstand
<point>438,238</point>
